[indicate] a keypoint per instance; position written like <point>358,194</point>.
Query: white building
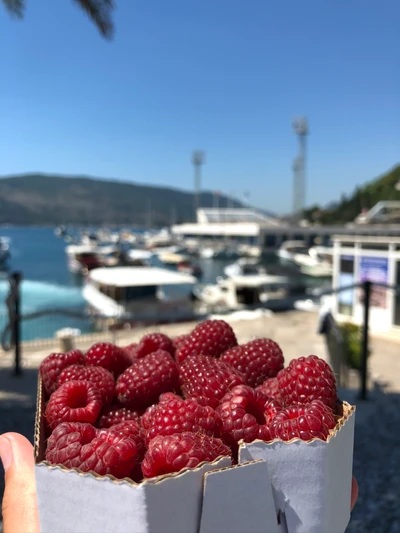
<point>237,224</point>
<point>359,258</point>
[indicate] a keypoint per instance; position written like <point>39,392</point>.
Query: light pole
<point>300,127</point>
<point>296,167</point>
<point>198,158</point>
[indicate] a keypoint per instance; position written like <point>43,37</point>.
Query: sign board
<point>374,269</point>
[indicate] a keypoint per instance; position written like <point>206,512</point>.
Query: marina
<point>225,255</point>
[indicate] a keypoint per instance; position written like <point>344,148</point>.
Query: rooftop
<point>139,277</point>
<point>233,215</point>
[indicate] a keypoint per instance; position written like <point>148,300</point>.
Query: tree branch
<point>100,12</point>
<point>15,7</point>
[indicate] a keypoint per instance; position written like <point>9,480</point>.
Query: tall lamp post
<point>198,158</point>
<point>300,128</point>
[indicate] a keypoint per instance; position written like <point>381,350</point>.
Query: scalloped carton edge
<point>311,481</point>
<point>213,498</point>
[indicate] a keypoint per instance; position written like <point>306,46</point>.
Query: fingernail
<point>5,452</point>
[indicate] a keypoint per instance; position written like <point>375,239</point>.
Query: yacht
<point>318,262</point>
<point>289,249</point>
<point>145,293</point>
<point>84,257</point>
<point>180,262</point>
<point>239,291</point>
<point>244,267</point>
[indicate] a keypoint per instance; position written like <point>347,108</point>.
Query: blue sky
<point>220,75</point>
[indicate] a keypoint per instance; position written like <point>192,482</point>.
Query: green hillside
<point>364,197</point>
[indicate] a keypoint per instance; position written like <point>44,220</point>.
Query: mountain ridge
<point>52,199</point>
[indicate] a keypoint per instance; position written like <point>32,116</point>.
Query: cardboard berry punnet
<point>277,487</point>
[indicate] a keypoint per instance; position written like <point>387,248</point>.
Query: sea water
<point>49,286</point>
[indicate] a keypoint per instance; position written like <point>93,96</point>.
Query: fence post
<point>365,348</point>
<point>15,316</point>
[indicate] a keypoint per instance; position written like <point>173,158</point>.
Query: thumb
<point>20,513</point>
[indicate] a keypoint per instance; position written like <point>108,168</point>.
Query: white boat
<point>318,262</point>
<point>138,257</point>
<point>289,249</point>
<point>244,267</point>
<point>83,257</point>
<point>140,291</point>
<point>207,253</point>
<point>240,291</point>
<point>249,250</point>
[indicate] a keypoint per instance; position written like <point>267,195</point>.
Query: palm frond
<point>100,11</point>
<point>15,7</point>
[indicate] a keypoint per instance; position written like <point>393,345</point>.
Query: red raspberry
<point>130,350</point>
<point>270,388</point>
<point>211,337</point>
<point>142,383</point>
<point>102,378</point>
<point>256,360</point>
<point>177,416</point>
<point>307,379</point>
<point>52,366</point>
<point>305,422</point>
<point>77,445</point>
<point>171,453</point>
<point>75,401</point>
<point>152,342</point>
<point>246,415</point>
<point>207,379</point>
<point>115,414</point>
<point>133,431</point>
<point>179,340</point>
<point>164,398</point>
<point>109,357</point>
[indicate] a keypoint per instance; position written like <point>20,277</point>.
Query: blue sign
<point>376,270</point>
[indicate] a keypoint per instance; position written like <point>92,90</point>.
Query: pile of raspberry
<point>162,405</point>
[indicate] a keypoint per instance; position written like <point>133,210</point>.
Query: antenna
<point>198,158</point>
<point>300,128</point>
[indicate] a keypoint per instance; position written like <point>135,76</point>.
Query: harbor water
<point>48,285</point>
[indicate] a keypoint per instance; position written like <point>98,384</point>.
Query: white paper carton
<point>311,481</point>
<point>269,492</point>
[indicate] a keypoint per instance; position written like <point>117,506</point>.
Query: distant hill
<point>363,197</point>
<point>38,199</point>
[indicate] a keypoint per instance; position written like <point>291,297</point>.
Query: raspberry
<point>130,351</point>
<point>177,416</point>
<point>270,388</point>
<point>133,431</point>
<point>109,357</point>
<point>307,379</point>
<point>179,340</point>
<point>152,342</point>
<point>171,453</point>
<point>78,445</point>
<point>246,415</point>
<point>211,337</point>
<point>304,422</point>
<point>75,401</point>
<point>142,383</point>
<point>52,366</point>
<point>102,378</point>
<point>115,414</point>
<point>256,360</point>
<point>207,379</point>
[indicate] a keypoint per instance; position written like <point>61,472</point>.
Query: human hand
<point>20,514</point>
